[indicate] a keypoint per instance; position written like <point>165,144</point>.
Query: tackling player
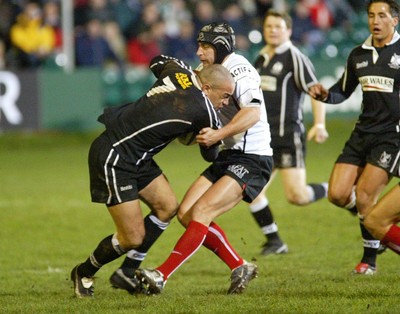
<point>123,171</point>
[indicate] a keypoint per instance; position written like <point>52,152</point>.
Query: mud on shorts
<point>380,150</point>
<point>112,179</point>
<point>289,150</point>
<point>251,171</point>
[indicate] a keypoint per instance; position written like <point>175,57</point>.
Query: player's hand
<point>318,92</point>
<point>207,137</point>
<point>319,133</point>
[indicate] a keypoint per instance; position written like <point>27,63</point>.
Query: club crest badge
<point>395,62</point>
<point>277,68</point>
<point>384,160</point>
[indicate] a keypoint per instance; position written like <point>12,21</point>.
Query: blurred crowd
<point>131,32</point>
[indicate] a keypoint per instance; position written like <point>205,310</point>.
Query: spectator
<point>235,16</point>
<point>204,13</point>
<point>146,45</point>
<point>304,32</point>
<point>92,49</point>
<point>3,61</point>
<point>8,14</point>
<point>150,15</point>
<point>52,17</point>
<point>115,39</point>
<point>34,42</point>
<point>174,13</point>
<point>93,9</point>
<point>320,14</point>
<point>184,45</point>
<point>126,13</point>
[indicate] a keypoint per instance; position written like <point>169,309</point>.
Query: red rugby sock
<point>187,245</point>
<point>217,242</point>
<point>392,239</point>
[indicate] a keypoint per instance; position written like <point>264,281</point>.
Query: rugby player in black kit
<point>371,156</point>
<point>121,165</point>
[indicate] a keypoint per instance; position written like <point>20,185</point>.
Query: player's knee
<point>131,240</point>
<point>166,211</point>
<point>297,197</point>
<point>337,197</point>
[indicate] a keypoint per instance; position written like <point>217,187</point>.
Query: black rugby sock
<point>265,218</point>
<point>103,254</point>
<point>369,256</point>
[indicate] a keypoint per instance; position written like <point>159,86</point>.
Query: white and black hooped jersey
<point>285,78</point>
<point>256,140</point>
<point>174,106</point>
<point>377,70</point>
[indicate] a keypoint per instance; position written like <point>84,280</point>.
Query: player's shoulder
<point>240,67</point>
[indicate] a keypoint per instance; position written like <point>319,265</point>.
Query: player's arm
<point>243,120</point>
<point>318,130</point>
<point>341,90</point>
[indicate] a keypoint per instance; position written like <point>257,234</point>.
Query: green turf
<point>48,225</point>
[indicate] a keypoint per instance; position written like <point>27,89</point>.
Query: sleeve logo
<point>183,80</point>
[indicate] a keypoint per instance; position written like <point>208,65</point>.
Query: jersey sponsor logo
<point>377,84</point>
<point>183,80</point>
<point>277,68</point>
<point>384,160</point>
<point>240,70</point>
<point>362,65</point>
<point>125,188</point>
<point>268,83</point>
<point>395,62</point>
<point>239,170</point>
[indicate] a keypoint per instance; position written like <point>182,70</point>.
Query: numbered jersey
<point>174,106</point>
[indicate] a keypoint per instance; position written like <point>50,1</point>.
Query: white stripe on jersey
<point>299,62</point>
<point>283,105</point>
<point>149,127</point>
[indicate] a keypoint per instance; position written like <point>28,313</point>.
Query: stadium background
<point>63,94</point>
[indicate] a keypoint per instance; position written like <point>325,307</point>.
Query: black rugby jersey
<point>174,106</point>
<point>285,78</point>
<point>379,77</point>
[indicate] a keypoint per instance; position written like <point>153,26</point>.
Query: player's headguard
<point>221,36</point>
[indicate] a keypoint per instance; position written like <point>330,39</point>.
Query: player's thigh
<point>128,221</point>
<point>160,197</point>
<point>193,194</point>
<point>218,199</point>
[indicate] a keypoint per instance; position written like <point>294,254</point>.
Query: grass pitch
<point>48,225</point>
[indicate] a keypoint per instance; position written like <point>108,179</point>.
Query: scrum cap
<point>221,36</point>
